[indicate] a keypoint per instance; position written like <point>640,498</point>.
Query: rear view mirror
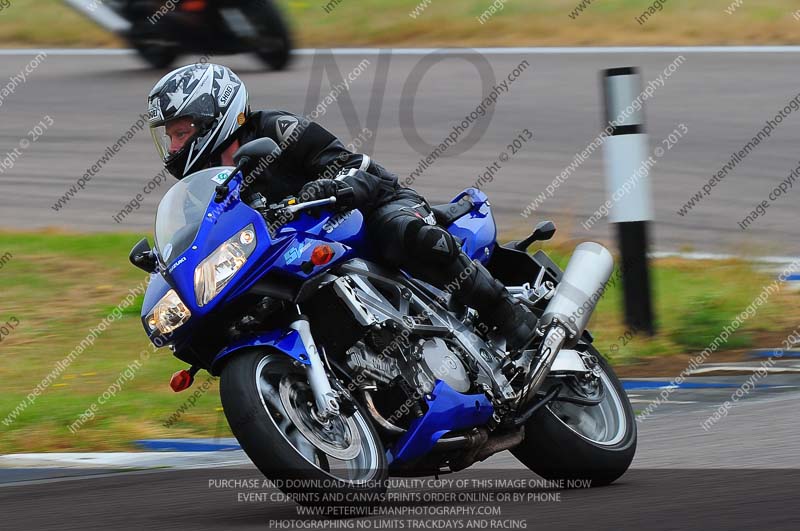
<point>544,230</point>
<point>142,256</point>
<point>262,148</point>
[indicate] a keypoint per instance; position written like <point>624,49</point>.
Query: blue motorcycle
<point>337,372</point>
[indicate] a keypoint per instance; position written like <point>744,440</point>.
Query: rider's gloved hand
<point>323,189</point>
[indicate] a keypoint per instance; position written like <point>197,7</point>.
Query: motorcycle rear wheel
<point>573,442</point>
<point>274,44</point>
<point>153,46</point>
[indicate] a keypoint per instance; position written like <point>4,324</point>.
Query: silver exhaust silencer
<point>568,312</point>
<point>582,285</point>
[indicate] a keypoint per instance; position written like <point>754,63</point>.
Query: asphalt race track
<point>741,473</point>
<point>645,499</point>
<point>722,99</point>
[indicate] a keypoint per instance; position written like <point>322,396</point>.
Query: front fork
<point>325,397</point>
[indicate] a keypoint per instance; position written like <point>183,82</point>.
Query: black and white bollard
<point>627,165</point>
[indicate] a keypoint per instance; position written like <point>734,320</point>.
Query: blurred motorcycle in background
<point>161,30</point>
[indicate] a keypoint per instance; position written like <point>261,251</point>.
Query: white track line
<point>536,50</point>
<point>124,459</point>
<point>647,401</point>
<point>779,260</point>
<point>66,51</point>
<point>569,50</point>
<point>745,368</point>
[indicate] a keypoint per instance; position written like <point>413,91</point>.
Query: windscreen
<point>182,209</point>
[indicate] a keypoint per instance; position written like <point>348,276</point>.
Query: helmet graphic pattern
<point>213,96</point>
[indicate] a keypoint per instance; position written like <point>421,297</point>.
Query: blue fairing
<point>289,252</point>
<point>343,233</point>
<point>157,287</point>
<point>477,229</point>
<point>448,410</point>
<point>286,341</point>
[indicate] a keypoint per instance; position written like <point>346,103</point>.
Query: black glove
<point>323,189</point>
<point>319,189</point>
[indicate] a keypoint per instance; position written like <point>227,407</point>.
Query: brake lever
<point>286,210</point>
<point>311,204</point>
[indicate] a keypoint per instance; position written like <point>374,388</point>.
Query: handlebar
<point>291,206</point>
<point>345,193</point>
<point>297,207</point>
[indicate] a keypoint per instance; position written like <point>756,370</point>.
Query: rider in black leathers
<point>315,164</point>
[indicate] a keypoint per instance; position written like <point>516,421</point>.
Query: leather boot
<point>475,287</point>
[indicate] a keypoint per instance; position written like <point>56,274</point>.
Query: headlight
<point>218,269</point>
<point>168,314</point>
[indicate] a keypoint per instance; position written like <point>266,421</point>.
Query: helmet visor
<point>173,136</point>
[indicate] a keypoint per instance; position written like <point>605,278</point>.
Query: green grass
<point>455,23</point>
<point>693,301</point>
<point>58,286</point>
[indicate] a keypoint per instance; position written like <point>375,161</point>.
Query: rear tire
<point>265,426</point>
<point>152,46</point>
<point>555,451</point>
<point>156,56</point>
<point>274,44</point>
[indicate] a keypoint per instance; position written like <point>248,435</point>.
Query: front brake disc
<point>338,437</point>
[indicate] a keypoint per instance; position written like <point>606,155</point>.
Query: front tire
<point>266,399</point>
<point>572,442</point>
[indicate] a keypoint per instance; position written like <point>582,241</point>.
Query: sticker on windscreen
<point>220,177</point>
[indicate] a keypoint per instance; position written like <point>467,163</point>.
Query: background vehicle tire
<point>149,41</point>
<point>274,45</point>
<point>156,55</point>
<point>264,412</point>
<point>554,450</point>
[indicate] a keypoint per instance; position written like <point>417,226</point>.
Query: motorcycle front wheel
<point>593,443</point>
<point>270,409</point>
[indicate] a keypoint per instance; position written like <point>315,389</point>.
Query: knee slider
<point>431,243</point>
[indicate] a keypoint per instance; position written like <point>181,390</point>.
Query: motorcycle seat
<point>447,213</point>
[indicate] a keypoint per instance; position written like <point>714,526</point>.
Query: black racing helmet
<point>193,113</point>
